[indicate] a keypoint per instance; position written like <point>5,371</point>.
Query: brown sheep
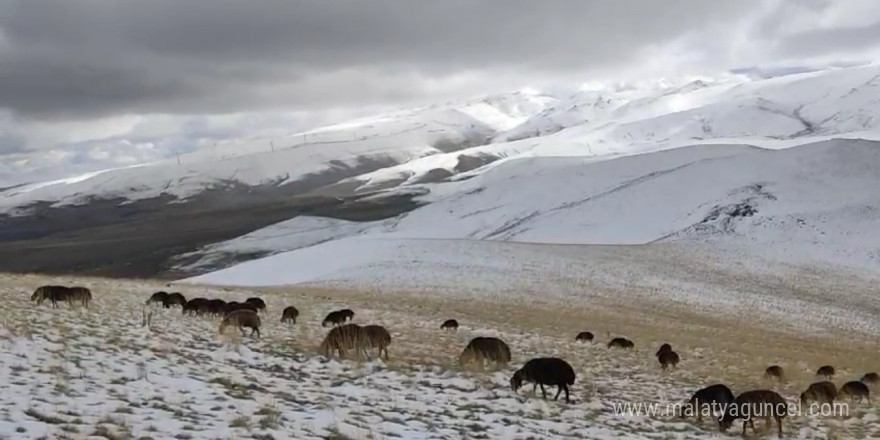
<point>826,371</point>
<point>289,314</point>
<point>545,371</point>
<point>344,338</point>
<point>52,293</point>
<point>176,299</point>
<point>855,389</point>
<point>751,404</point>
<point>584,337</point>
<point>241,319</point>
<point>378,337</point>
<point>668,358</point>
<point>481,349</point>
<point>663,348</point>
<point>449,324</point>
<point>774,371</point>
<point>821,392</point>
<point>82,295</point>
<point>622,343</point>
<point>871,379</point>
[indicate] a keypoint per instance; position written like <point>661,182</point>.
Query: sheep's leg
<point>779,425</point>
<point>745,423</point>
<point>567,400</point>
<point>558,391</point>
<point>534,388</point>
<point>543,391</point>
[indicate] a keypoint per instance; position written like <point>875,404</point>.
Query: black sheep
<point>545,371</point>
<point>709,399</point>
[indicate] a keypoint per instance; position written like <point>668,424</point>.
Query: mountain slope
<point>811,204</point>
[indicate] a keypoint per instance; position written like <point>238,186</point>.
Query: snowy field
<point>97,373</point>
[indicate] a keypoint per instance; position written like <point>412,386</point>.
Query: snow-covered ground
<point>97,373</point>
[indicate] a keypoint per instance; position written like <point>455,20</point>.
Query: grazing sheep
<point>855,389</point>
<point>216,307</point>
<point>344,338</point>
<point>289,314</point>
<point>774,371</point>
<point>449,324</point>
<point>242,318</point>
<point>668,358</point>
<point>871,379</point>
<point>235,305</point>
<point>257,302</point>
<point>708,400</point>
<point>347,314</point>
<point>584,337</point>
<point>622,343</point>
<point>51,293</point>
<point>378,337</point>
<point>159,297</point>
<point>484,348</point>
<point>663,348</point>
<point>826,371</point>
<point>195,306</point>
<point>335,317</point>
<point>80,294</point>
<point>176,299</point>
<point>821,392</point>
<point>763,403</point>
<point>545,371</point>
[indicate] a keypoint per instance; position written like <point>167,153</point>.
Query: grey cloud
<point>80,59</point>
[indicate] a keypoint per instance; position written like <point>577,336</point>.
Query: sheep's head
<point>516,381</point>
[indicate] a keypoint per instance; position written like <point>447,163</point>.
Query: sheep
<point>378,337</point>
<point>195,306</point>
<point>622,343</point>
<point>871,379</point>
<point>751,404</point>
<point>343,338</point>
<point>159,297</point>
<point>826,371</point>
<point>584,337</point>
<point>289,314</point>
<point>855,389</point>
<point>545,371</point>
<point>821,392</point>
<point>242,318</point>
<point>450,325</point>
<point>52,293</point>
<point>80,294</point>
<point>484,348</point>
<point>216,307</point>
<point>708,399</point>
<point>663,348</point>
<point>176,299</point>
<point>258,303</point>
<point>774,371</point>
<point>347,314</point>
<point>235,305</point>
<point>667,358</point>
<point>335,317</point>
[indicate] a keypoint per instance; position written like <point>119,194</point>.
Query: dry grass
<point>713,349</point>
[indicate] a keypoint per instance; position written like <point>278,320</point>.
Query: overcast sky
<point>95,84</point>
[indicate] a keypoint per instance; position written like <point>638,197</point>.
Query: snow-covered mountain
<point>356,146</point>
<point>814,204</point>
<point>586,167</point>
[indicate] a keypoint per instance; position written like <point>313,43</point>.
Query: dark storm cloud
<point>81,59</point>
